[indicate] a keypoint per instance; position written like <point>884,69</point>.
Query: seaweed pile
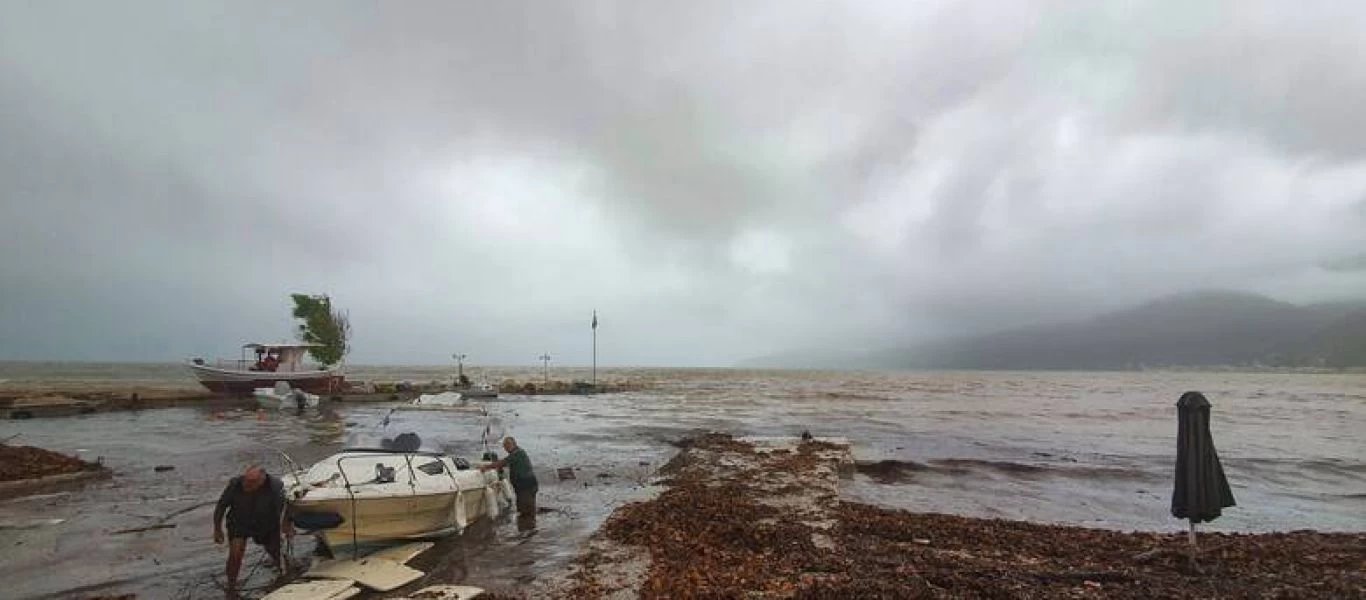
<point>26,462</point>
<point>741,521</point>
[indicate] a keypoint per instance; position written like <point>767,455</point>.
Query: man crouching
<point>255,505</point>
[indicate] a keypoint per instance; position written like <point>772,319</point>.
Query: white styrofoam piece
<point>403,554</point>
<point>324,589</point>
<point>375,573</point>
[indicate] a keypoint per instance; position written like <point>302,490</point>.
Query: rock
<point>163,468</point>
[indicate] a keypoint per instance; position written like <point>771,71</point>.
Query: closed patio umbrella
<point>1201,491</point>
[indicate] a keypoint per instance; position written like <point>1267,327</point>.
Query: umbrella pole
<point>1192,534</point>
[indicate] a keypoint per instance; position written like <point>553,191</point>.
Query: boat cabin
<point>280,357</point>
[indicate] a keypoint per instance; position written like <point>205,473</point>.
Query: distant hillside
<point>1187,330</point>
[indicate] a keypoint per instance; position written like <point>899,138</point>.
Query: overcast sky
<point>719,180</point>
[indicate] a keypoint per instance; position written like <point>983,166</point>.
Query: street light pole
<point>595,351</point>
<point>545,373</point>
<point>460,363</point>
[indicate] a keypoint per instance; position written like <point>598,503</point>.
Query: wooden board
<point>375,573</point>
<point>326,589</point>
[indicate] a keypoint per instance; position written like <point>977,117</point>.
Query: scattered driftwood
<point>182,511</point>
<point>141,529</point>
<point>164,522</point>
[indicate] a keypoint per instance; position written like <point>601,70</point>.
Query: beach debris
<point>445,592</point>
<point>564,473</point>
<point>326,589</point>
<point>404,553</point>
<point>29,523</point>
<point>142,529</point>
<point>740,520</point>
<point>38,497</point>
<point>163,468</point>
<point>375,573</point>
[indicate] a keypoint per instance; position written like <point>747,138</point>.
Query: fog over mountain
<point>1204,329</point>
<point>718,180</point>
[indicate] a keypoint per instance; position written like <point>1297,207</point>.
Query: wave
<point>898,471</point>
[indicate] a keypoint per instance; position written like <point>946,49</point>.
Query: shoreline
<point>741,517</point>
<point>20,401</point>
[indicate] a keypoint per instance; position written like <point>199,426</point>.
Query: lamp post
<point>595,351</point>
<point>460,363</point>
<point>545,373</point>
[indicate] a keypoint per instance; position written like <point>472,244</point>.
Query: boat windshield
<point>401,443</point>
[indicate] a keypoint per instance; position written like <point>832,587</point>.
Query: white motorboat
<point>284,397</point>
<point>455,401</point>
<point>371,495</point>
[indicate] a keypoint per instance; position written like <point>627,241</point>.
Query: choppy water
<point>1086,448</point>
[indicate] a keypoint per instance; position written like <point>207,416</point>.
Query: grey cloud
<point>719,180</point>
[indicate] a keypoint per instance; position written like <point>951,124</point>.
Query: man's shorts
<point>268,538</point>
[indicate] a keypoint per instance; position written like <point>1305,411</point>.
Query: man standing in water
<point>254,504</point>
<point>520,475</point>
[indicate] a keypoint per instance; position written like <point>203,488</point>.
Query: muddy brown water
<point>1085,448</point>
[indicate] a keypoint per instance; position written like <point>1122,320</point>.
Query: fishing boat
<point>274,362</point>
<point>374,495</point>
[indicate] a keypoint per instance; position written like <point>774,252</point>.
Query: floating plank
<point>403,554</point>
<point>375,573</point>
<point>325,589</point>
<point>446,592</point>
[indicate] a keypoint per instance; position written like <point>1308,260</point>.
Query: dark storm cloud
<point>718,179</point>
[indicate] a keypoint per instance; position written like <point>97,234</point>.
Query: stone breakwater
<point>762,518</point>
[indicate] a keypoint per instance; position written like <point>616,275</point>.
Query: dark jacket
<point>254,513</point>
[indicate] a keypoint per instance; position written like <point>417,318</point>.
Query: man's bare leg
<point>273,549</point>
<point>237,548</point>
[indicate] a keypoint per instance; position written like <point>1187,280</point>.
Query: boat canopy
<point>289,356</point>
<point>279,345</point>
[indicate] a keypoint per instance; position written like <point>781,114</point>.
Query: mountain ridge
<point>1193,329</point>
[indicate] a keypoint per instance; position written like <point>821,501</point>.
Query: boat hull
<point>244,383</point>
<point>392,518</point>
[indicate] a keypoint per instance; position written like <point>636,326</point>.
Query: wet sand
<point>1091,449</point>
